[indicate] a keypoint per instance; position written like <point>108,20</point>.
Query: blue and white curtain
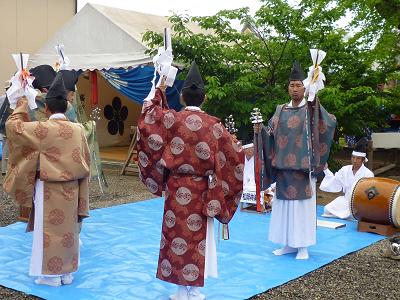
<point>136,84</point>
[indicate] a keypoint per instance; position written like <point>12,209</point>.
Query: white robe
<point>294,222</point>
<point>342,181</point>
<point>249,182</point>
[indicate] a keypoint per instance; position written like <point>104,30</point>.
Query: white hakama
<point>210,268</point>
<point>294,222</point>
<point>35,268</point>
<point>342,181</point>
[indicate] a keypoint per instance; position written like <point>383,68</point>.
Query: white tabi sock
<point>181,293</point>
<point>194,293</point>
<point>52,281</point>
<point>67,278</point>
<point>284,250</point>
<point>302,253</point>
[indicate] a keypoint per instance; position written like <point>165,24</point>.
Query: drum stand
<point>386,230</point>
<point>252,208</point>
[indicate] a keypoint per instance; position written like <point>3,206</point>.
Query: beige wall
<point>25,25</point>
<point>106,94</point>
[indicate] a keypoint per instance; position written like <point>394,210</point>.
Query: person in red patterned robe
<point>192,158</point>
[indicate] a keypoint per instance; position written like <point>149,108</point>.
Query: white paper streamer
<point>21,83</point>
<point>63,61</point>
<point>163,65</point>
<point>315,79</point>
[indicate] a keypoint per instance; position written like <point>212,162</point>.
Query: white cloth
<point>303,102</point>
<point>211,267</point>
<point>37,244</point>
<point>294,222</point>
<point>249,183</point>
<point>162,62</point>
<point>193,108</point>
<point>57,116</point>
<point>312,84</point>
<point>63,61</point>
<point>21,85</point>
<point>342,181</point>
<point>35,268</point>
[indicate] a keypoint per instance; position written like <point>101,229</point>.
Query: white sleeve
<point>369,173</point>
<point>332,183</point>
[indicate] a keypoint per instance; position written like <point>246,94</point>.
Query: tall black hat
<point>70,78</point>
<point>361,145</point>
<point>297,72</point>
<point>57,89</point>
<point>44,76</point>
<point>193,79</point>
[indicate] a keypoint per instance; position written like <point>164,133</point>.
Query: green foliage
<point>246,69</point>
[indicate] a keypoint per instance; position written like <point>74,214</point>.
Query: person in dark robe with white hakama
<point>295,145</point>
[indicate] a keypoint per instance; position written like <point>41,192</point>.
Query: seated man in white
<point>249,183</point>
<point>343,181</point>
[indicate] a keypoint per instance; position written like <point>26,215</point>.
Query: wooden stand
<point>386,230</point>
<point>252,208</point>
<point>128,167</point>
<point>24,213</point>
<point>389,141</point>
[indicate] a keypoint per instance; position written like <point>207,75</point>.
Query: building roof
<point>101,37</point>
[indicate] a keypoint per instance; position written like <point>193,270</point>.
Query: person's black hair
<point>193,96</point>
<point>57,105</point>
<point>289,81</point>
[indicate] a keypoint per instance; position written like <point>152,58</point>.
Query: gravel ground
<point>360,275</point>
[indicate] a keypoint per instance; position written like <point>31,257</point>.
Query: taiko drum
<point>376,200</point>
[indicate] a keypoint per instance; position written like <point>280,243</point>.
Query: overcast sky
<point>191,7</point>
<point>166,7</point>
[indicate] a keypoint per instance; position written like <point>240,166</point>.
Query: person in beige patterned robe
<point>48,171</point>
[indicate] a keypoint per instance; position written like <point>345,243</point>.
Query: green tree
<point>250,68</point>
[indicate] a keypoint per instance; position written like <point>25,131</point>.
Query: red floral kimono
<point>194,159</point>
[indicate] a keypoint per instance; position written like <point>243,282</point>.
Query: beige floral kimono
<point>56,152</point>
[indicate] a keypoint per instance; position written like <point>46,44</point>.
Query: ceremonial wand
<point>256,118</point>
<point>313,83</point>
<point>315,78</point>
<point>163,65</point>
<point>230,126</point>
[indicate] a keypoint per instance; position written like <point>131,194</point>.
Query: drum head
<point>350,197</point>
<point>396,208</point>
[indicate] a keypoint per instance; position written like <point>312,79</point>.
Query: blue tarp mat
<point>120,251</point>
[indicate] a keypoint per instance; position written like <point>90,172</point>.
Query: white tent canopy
<point>101,37</point>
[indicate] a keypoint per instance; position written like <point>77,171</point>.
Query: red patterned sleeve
<point>151,141</point>
<point>226,184</point>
